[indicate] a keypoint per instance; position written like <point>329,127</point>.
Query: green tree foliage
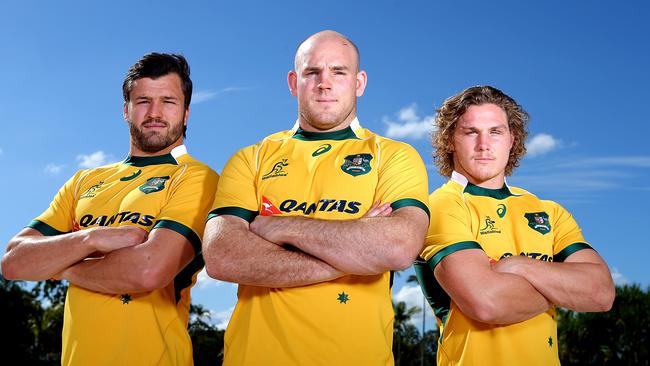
<point>207,340</point>
<point>32,319</point>
<point>20,313</point>
<point>407,340</point>
<point>617,337</point>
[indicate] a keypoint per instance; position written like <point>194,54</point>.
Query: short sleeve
<point>402,177</point>
<point>449,229</point>
<point>567,236</point>
<point>236,194</point>
<point>59,217</point>
<point>189,203</point>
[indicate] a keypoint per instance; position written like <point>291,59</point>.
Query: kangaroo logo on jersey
<point>277,170</point>
<point>322,149</point>
<point>268,208</point>
<point>489,227</point>
<point>357,164</point>
<point>132,176</point>
<point>538,221</point>
<point>501,210</point>
<point>154,184</point>
<point>90,192</point>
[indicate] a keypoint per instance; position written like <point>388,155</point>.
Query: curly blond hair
<point>454,107</point>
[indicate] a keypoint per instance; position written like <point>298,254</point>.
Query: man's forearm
<point>364,246</point>
<point>576,285</point>
<point>232,253</point>
<point>140,268</point>
<point>35,257</point>
<point>484,294</point>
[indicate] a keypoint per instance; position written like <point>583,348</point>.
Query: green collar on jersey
<point>343,134</point>
<point>141,161</point>
<point>501,193</point>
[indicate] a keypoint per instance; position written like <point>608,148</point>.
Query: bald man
<point>311,221</point>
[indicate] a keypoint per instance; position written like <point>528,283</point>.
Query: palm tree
<point>400,325</point>
<point>413,278</point>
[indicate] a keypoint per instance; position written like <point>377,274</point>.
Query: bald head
<point>324,36</point>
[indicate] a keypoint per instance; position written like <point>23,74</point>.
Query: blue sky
<point>580,68</point>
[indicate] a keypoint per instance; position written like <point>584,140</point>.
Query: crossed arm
<point>256,254</point>
<point>131,261</point>
<point>518,288</point>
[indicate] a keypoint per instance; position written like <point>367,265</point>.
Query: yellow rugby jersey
<point>501,222</point>
<point>332,176</point>
<point>172,191</point>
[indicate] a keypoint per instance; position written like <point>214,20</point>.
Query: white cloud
<point>205,281</point>
<point>221,318</point>
<point>98,158</point>
<point>52,168</point>
<point>618,277</point>
<point>541,144</point>
<point>412,296</point>
<point>201,96</point>
<point>408,124</point>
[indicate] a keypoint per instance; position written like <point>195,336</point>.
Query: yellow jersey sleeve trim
<point>433,262</point>
<point>572,248</point>
<point>245,214</point>
<point>410,202</point>
<point>44,228</point>
<point>188,233</point>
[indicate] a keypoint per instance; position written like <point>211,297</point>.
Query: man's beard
<point>154,141</point>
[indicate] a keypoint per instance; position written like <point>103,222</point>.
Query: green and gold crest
<point>538,221</point>
<point>154,184</point>
<point>357,164</point>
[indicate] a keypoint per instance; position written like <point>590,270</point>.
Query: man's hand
<point>511,264</point>
<point>108,239</point>
<point>271,228</point>
<point>379,210</point>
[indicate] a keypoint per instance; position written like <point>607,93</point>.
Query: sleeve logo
<point>357,164</point>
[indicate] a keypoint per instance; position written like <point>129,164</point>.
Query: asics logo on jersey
<point>322,149</point>
<point>277,170</point>
<point>501,210</point>
<point>103,220</point>
<point>132,176</point>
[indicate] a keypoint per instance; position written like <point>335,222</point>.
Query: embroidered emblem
<point>154,184</point>
<point>538,221</point>
<point>357,164</point>
<point>277,170</point>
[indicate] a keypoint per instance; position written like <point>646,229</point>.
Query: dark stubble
<point>154,141</point>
